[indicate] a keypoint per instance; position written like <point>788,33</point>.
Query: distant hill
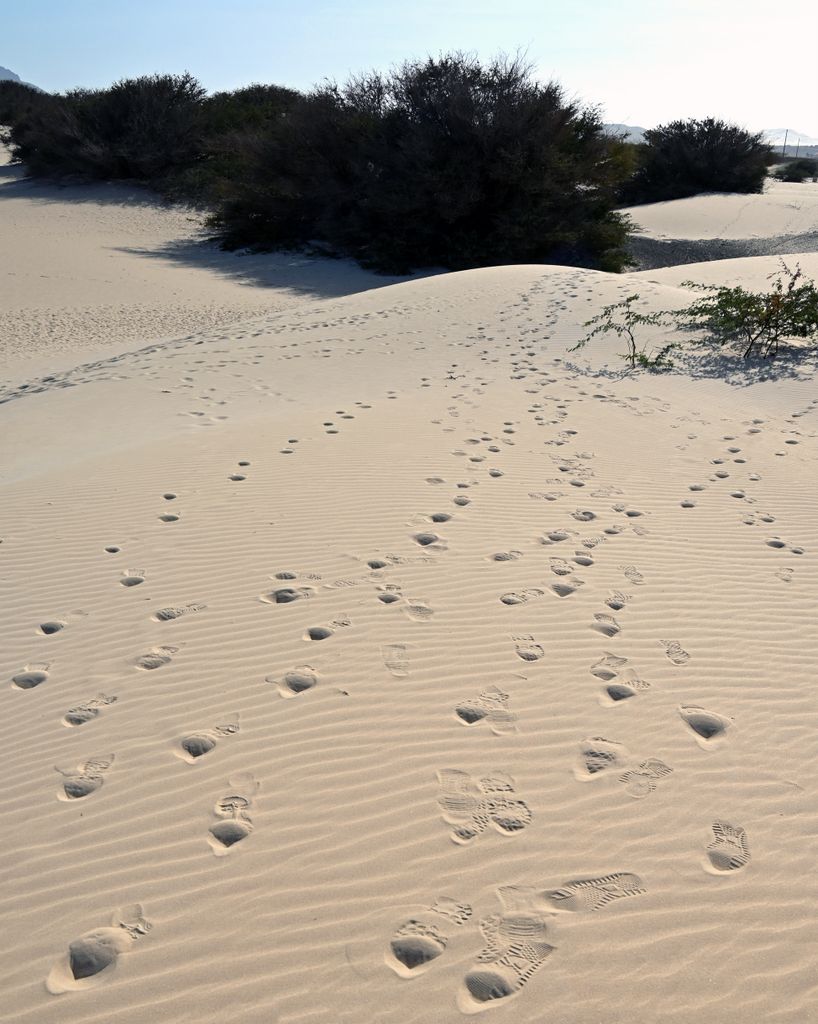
<point>632,133</point>
<point>776,136</point>
<point>8,76</point>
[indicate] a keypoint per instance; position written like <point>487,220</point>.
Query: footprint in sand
<point>632,575</point>
<point>621,683</point>
<point>85,779</point>
<point>675,652</point>
<point>420,940</point>
<point>606,625</point>
<point>157,657</point>
<point>389,593</point>
<point>506,556</point>
<point>566,586</point>
<point>31,677</point>
<point>87,711</point>
<point>641,781</point>
<point>286,595</point>
<point>617,600</point>
<point>471,807</point>
<point>526,647</point>
<point>233,809</point>
<point>49,628</point>
<point>560,567</point>
<point>598,757</point>
<point>176,612</point>
<point>96,952</point>
<point>492,707</point>
<point>427,539</point>
<point>729,850</point>
<point>294,682</point>
<point>520,596</point>
<point>708,726</point>
<point>591,894</point>
<point>396,659</point>
<point>608,667</point>
<point>132,577</point>
<point>418,610</point>
<point>195,745</point>
<point>516,947</point>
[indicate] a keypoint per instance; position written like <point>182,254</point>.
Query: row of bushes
<point>442,162</point>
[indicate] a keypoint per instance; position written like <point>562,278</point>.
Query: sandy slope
<point>340,527</point>
<point>784,208</point>
<point>109,267</point>
<point>781,221</point>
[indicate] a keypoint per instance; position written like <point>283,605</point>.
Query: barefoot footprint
<point>419,941</point>
<point>96,952</point>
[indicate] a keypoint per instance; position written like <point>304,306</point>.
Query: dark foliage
<point>685,158</point>
<point>798,170</point>
<point>139,128</point>
<point>443,162</point>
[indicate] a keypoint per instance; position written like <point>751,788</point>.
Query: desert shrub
<point>443,162</point>
<point>797,170</point>
<point>622,319</point>
<point>16,101</point>
<point>139,128</point>
<point>758,321</point>
<point>685,158</point>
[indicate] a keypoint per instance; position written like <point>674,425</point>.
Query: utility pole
<point>784,148</point>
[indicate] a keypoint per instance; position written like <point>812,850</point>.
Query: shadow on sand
<point>312,275</point>
<point>297,271</point>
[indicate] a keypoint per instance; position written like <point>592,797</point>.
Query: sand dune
<point>109,267</point>
<point>399,664</point>
<point>784,208</point>
<point>781,221</point>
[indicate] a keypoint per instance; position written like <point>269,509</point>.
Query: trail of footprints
<point>517,939</point>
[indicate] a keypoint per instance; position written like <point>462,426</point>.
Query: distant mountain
<point>776,136</point>
<point>632,133</point>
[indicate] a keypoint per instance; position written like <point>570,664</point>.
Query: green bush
<point>685,158</point>
<point>798,170</point>
<point>758,321</point>
<point>621,319</point>
<point>443,162</point>
<point>139,128</point>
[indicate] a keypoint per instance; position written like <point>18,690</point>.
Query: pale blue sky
<point>749,61</point>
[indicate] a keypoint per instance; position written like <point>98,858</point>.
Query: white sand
<point>783,208</point>
<point>362,421</point>
<point>109,267</point>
